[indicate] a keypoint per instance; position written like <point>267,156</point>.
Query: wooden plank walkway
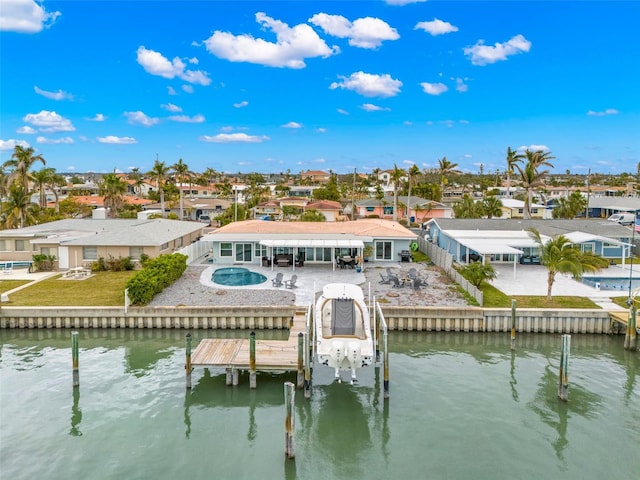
<point>272,355</point>
<point>620,316</point>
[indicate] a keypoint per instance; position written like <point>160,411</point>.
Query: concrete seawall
<point>437,319</point>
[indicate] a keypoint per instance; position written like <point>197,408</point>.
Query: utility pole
<point>353,195</point>
<point>588,193</point>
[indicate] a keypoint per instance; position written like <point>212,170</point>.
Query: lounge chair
<point>396,282</point>
<point>413,273</point>
<point>390,274</point>
<point>384,280</point>
<point>277,282</point>
<point>418,282</point>
<point>291,283</point>
<point>8,268</point>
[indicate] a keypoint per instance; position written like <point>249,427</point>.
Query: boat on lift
<point>343,329</point>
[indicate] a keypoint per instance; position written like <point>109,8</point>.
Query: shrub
<point>156,275</point>
<point>44,263</point>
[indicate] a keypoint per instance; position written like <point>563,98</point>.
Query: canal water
<point>462,406</point>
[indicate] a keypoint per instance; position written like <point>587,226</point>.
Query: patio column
<point>514,267</point>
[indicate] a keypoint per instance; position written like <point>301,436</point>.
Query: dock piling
<point>75,359</point>
<point>307,367</point>
<point>300,379</point>
<point>630,338</point>
<point>385,376</point>
<point>563,381</point>
<point>187,364</point>
<point>289,423</point>
<point>513,324</point>
<point>252,360</point>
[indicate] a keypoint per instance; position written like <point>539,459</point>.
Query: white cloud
<point>367,32</point>
<point>156,64</point>
<point>241,104</point>
<point>71,168</point>
<point>117,140</point>
<point>25,16</point>
<point>26,129</point>
<point>99,117</point>
<point>533,148</point>
<point>11,144</point>
<point>370,107</point>
<point>292,125</point>
<point>482,54</point>
<point>292,46</point>
<point>187,88</point>
<point>321,130</point>
<point>608,111</point>
<point>47,121</point>
<point>170,107</point>
<point>54,141</point>
<point>187,119</point>
<point>460,85</point>
<point>139,118</point>
<point>434,88</point>
<point>342,111</point>
<point>171,91</point>
<point>59,95</point>
<point>320,160</point>
<point>369,85</point>
<point>436,27</point>
<point>401,3</point>
<point>193,61</point>
<point>234,138</point>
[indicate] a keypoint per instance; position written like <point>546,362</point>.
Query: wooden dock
<point>271,355</point>
<point>620,316</point>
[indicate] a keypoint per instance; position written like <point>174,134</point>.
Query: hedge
<point>157,274</point>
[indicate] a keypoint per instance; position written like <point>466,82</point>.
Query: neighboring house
<point>302,191</point>
<point>604,207</point>
<point>512,208</point>
<point>316,176</point>
<point>328,208</point>
<point>419,209</point>
<point>77,241</point>
<point>506,241</point>
<point>193,208</point>
<point>253,241</point>
<point>97,201</point>
<point>269,209</point>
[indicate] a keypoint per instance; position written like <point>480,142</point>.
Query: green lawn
<point>103,289</point>
<point>6,285</point>
<point>496,299</point>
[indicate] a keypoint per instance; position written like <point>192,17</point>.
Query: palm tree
<point>558,255</point>
<point>513,159</point>
<point>181,171</point>
<point>20,164</point>
<point>467,208</point>
<point>159,173</point>
<point>531,176</point>
<point>41,179</point>
<point>446,168</point>
<point>56,181</point>
<point>17,210</point>
<point>113,189</point>
<point>137,179</point>
<point>396,177</point>
<point>492,206</point>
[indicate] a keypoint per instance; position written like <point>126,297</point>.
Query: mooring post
<point>513,324</point>
<point>307,367</point>
<point>385,375</point>
<point>236,376</point>
<point>300,378</point>
<point>187,362</point>
<point>563,381</point>
<point>290,421</point>
<point>634,324</point>
<point>228,376</point>
<point>75,360</point>
<point>252,360</point>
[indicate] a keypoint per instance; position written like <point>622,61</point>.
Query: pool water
<point>237,277</point>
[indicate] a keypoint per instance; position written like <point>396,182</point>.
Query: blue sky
<point>271,86</point>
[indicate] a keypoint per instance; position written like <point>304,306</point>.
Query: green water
<point>462,406</point>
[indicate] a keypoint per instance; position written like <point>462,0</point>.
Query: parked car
<point>205,219</point>
<point>622,218</point>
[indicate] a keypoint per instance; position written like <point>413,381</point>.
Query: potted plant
<point>367,251</point>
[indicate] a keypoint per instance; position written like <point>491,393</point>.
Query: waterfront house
<point>256,241</point>
<point>418,209</point>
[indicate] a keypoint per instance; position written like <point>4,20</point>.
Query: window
<point>164,246</point>
<point>243,252</point>
<point>89,253</point>
<point>21,245</point>
<point>178,242</point>
<point>136,252</point>
<point>261,250</point>
<point>48,251</point>
<point>383,250</point>
<point>226,249</point>
<point>3,245</point>
<point>387,210</point>
<point>371,209</point>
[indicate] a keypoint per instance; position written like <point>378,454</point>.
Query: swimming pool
<point>237,277</point>
<point>611,283</point>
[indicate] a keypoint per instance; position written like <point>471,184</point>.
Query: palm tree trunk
<point>551,276</point>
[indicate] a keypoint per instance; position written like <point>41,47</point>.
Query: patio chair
<point>277,282</point>
<point>291,283</point>
<point>418,283</point>
<point>384,280</point>
<point>390,274</point>
<point>413,273</point>
<point>8,268</point>
<point>396,282</point>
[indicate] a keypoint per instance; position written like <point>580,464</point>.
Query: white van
<point>622,218</point>
<point>205,219</point>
